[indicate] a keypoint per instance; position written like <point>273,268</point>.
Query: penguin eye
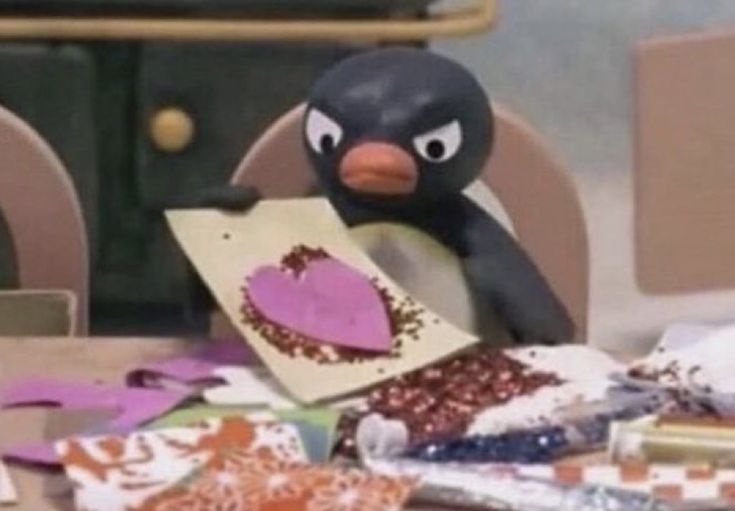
<point>440,144</point>
<point>323,134</point>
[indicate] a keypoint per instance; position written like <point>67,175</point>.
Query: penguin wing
<point>501,275</point>
<point>227,197</point>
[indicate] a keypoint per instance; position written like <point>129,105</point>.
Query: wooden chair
<point>40,207</point>
<point>530,183</point>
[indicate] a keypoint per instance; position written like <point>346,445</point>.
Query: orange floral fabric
<point>240,481</point>
<point>219,465</point>
<point>121,473</point>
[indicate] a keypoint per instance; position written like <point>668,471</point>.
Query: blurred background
<point>566,67</point>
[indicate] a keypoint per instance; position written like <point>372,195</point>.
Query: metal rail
<point>473,17</point>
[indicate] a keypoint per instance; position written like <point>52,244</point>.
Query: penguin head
<point>397,126</point>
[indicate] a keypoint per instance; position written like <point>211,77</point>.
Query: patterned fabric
<point>670,482</point>
<point>240,481</point>
<point>120,473</point>
<point>226,464</point>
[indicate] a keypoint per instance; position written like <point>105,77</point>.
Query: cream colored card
<point>225,248</point>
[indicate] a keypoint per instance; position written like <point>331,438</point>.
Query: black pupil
<point>435,149</point>
<point>326,143</point>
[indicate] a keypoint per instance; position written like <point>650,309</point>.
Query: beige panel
<point>685,163</point>
<point>37,313</point>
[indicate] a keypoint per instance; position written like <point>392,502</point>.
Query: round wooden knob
<point>171,129</point>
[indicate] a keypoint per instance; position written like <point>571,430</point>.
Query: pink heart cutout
<point>329,302</point>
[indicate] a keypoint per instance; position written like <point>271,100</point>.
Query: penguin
<point>395,136</point>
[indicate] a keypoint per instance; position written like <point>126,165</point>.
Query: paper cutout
<point>135,405</point>
<point>317,427</point>
<point>8,493</point>
<point>127,473</point>
<point>196,368</point>
<point>223,247</point>
<point>42,453</point>
<point>406,319</point>
<point>226,351</point>
<point>328,301</point>
<point>243,482</point>
<point>246,386</point>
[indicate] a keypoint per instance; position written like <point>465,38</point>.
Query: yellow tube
<point>678,443</point>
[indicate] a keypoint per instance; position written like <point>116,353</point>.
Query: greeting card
<point>323,318</point>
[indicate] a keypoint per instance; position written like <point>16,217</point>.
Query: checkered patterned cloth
<point>669,482</point>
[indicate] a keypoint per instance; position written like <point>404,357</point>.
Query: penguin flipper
<point>225,197</point>
<point>502,275</point>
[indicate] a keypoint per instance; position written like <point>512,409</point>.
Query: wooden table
<point>92,360</point>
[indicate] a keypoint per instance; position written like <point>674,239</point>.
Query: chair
<point>40,207</point>
<point>523,173</point>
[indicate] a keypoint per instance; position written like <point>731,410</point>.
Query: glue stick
<point>672,443</point>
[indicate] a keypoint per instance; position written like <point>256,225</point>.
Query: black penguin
<point>395,136</point>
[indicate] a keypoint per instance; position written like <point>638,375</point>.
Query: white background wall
<point>566,66</point>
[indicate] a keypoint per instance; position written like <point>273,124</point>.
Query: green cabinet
<point>94,102</point>
<point>231,92</point>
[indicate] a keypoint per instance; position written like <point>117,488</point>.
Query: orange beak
<point>379,168</point>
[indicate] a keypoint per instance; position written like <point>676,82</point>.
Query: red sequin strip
<point>441,400</point>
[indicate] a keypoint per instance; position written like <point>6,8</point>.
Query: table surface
<point>93,360</point>
<point>103,360</point>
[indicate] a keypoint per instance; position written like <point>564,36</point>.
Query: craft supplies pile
<point>348,388</point>
<point>484,428</point>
